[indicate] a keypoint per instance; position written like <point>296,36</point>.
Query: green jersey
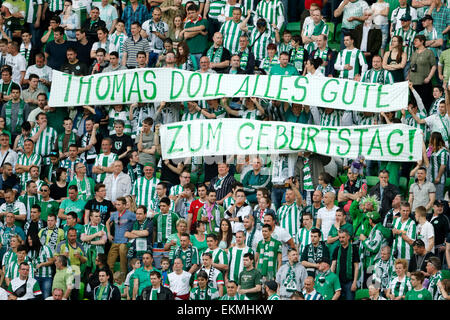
<point>165,225</point>
<point>231,32</point>
<point>236,261</point>
<point>399,287</point>
<point>76,206</point>
<point>354,58</point>
<point>404,250</point>
<point>45,142</point>
<point>289,216</point>
<point>268,257</point>
<point>327,284</point>
<point>145,190</point>
<point>422,294</point>
<point>104,161</point>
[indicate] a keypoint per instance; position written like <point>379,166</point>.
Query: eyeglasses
<point>45,190</point>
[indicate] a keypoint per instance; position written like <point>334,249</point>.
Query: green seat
<point>158,174</point>
<point>294,27</point>
<point>447,184</point>
<point>403,185</point>
<point>330,31</point>
<point>372,180</point>
<point>116,266</point>
<point>81,291</point>
<point>237,177</point>
<point>335,46</point>
<point>445,274</point>
<point>337,34</point>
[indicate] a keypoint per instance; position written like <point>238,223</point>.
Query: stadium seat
<point>81,291</point>
<point>447,185</point>
<point>294,27</point>
<point>337,34</point>
<point>237,177</point>
<point>371,181</point>
<point>403,185</point>
<point>330,31</point>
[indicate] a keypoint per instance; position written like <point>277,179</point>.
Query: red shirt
<point>193,209</point>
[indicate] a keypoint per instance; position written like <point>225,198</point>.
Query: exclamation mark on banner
<point>412,133</point>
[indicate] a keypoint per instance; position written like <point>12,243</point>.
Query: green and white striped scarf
<point>215,54</point>
<point>307,179</point>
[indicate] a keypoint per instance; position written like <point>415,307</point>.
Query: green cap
<point>150,164</point>
<point>375,216</point>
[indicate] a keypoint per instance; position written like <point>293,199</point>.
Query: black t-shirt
<point>120,145</point>
<point>226,55</point>
<point>77,69</point>
<point>57,54</point>
<point>57,193</point>
<point>105,208</point>
<point>84,52</point>
<point>441,228</point>
<point>343,262</point>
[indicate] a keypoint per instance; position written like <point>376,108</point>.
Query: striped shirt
<point>405,251</point>
<point>144,190</point>
<point>25,51</point>
<point>13,269</point>
<point>330,119</point>
<point>104,161</point>
<point>260,44</point>
<point>44,254</point>
<point>192,116</point>
<point>129,16</point>
<point>302,239</point>
<point>231,32</point>
<point>23,159</point>
<point>215,7</point>
<point>118,40</point>
<point>132,48</point>
<point>290,216</point>
<point>121,115</point>
<point>271,10</point>
<point>354,58</point>
<point>377,76</point>
<point>435,106</point>
<point>400,287</point>
<point>45,142</point>
<point>55,5</point>
<point>408,37</point>
<point>433,287</point>
<point>438,159</point>
<point>315,30</point>
<point>235,261</point>
<point>313,295</point>
<point>409,120</point>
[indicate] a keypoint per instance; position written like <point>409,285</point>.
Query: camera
<point>414,67</point>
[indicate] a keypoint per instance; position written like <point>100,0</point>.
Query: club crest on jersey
<point>118,145</point>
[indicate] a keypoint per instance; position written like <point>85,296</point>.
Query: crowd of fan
<point>89,210</point>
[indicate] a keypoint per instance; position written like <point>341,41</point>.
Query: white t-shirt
<point>328,218</point>
<point>18,64</point>
<point>425,232</point>
<point>377,8</point>
<point>3,294</point>
<point>44,73</point>
<point>179,284</point>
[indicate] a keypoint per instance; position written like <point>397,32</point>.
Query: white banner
<point>394,142</point>
<point>162,84</point>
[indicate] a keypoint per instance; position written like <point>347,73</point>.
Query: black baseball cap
<point>427,17</point>
<point>439,203</point>
<point>418,243</point>
<point>406,17</point>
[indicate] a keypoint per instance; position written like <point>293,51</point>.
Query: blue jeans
<point>346,291</point>
<point>46,286</point>
<point>439,191</point>
<point>384,35</point>
<point>277,196</point>
<point>35,36</point>
<point>406,69</point>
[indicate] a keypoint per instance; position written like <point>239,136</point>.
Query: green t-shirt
<point>75,206</point>
<point>422,294</point>
<point>278,70</point>
<point>199,43</point>
<point>48,207</point>
<point>248,280</point>
<point>328,287</point>
<point>144,278</point>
